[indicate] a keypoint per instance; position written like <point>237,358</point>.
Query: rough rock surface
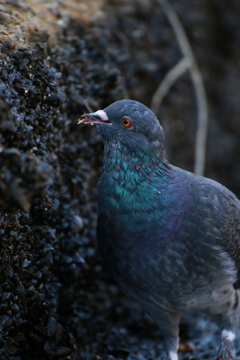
<point>56,62</point>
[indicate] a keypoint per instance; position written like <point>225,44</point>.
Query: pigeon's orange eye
<point>126,122</point>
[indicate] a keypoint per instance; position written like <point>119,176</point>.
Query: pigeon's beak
<point>98,117</point>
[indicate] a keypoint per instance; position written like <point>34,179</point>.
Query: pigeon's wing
<point>222,210</point>
<point>231,232</point>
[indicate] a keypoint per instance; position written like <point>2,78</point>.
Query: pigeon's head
<point>129,124</point>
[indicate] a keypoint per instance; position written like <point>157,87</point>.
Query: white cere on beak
<point>102,114</point>
<point>98,117</point>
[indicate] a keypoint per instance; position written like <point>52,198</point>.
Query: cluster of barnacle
<point>29,246</point>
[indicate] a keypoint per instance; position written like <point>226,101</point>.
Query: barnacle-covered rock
<point>22,177</point>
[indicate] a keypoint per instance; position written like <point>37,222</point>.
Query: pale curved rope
<point>178,70</point>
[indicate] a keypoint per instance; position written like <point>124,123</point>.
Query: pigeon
<point>169,238</point>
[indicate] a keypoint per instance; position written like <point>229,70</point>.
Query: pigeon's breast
<point>137,231</point>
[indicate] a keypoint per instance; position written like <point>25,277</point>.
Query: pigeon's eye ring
<point>126,122</point>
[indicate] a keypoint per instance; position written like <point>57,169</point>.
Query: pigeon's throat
<point>117,156</point>
<point>125,172</point>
